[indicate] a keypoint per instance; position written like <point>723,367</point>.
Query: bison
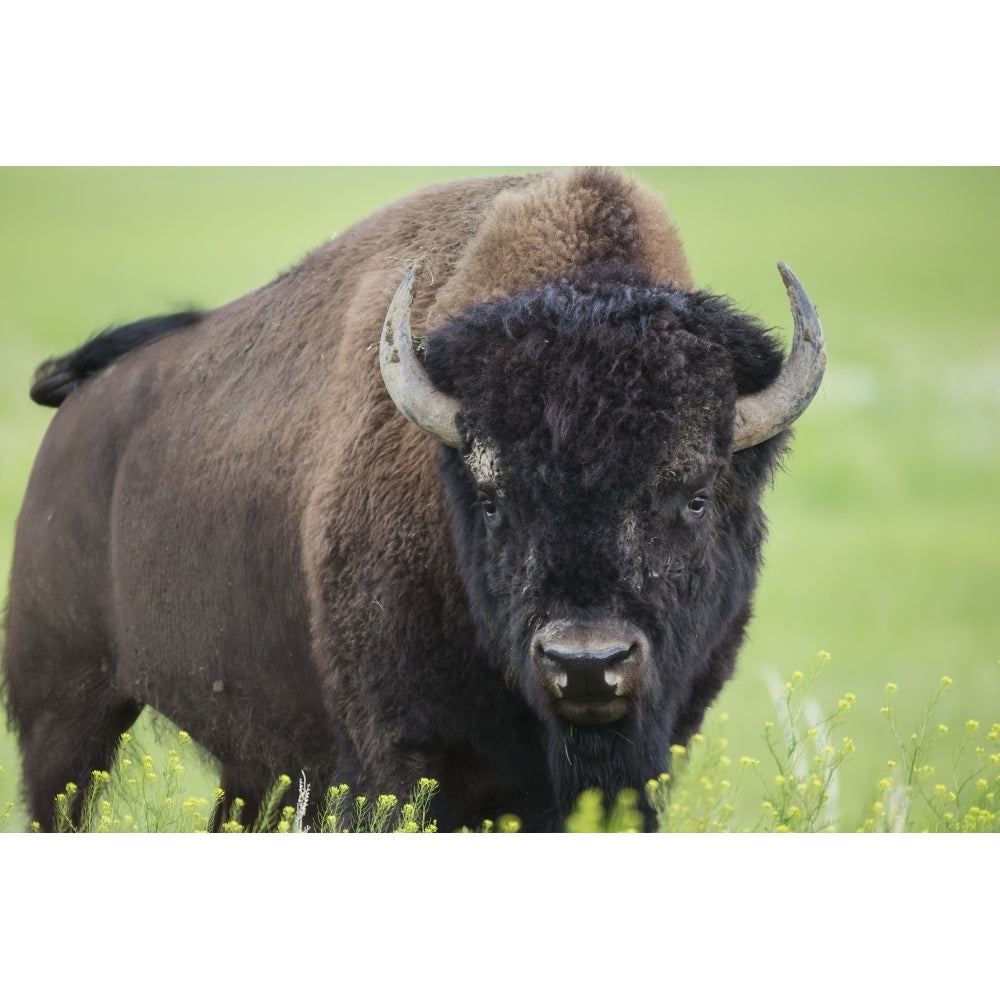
<point>470,493</point>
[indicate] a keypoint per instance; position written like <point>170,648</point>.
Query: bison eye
<point>697,506</point>
<point>490,508</point>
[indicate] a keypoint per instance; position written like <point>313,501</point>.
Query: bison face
<point>589,561</point>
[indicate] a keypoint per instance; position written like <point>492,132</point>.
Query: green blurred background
<point>885,542</point>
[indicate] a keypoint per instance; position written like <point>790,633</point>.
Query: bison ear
<point>755,354</point>
<point>757,361</point>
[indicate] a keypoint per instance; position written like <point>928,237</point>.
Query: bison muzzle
<point>591,672</point>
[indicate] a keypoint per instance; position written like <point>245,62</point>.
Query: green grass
<point>938,780</point>
<point>148,792</point>
<point>885,542</point>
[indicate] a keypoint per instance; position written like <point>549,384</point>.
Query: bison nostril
<point>587,657</point>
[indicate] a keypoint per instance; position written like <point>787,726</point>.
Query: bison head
<point>608,441</point>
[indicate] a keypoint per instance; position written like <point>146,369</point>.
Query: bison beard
<point>525,570</point>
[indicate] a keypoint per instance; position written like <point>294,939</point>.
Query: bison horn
<point>406,378</point>
<point>763,414</point>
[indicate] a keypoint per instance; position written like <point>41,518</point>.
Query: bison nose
<point>583,674</point>
<point>588,663</point>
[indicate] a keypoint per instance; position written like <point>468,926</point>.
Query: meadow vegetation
<point>937,781</point>
<point>885,545</point>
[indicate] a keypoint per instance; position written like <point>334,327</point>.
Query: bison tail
<point>56,378</point>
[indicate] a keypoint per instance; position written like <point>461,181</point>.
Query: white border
<point>301,83</point>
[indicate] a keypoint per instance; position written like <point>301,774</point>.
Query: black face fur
<point>597,485</point>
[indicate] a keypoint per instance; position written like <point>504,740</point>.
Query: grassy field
<point>885,543</point>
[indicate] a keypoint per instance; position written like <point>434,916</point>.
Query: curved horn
<point>763,414</point>
<point>405,377</point>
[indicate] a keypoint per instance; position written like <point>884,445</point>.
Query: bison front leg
<point>61,699</point>
<point>67,743</point>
